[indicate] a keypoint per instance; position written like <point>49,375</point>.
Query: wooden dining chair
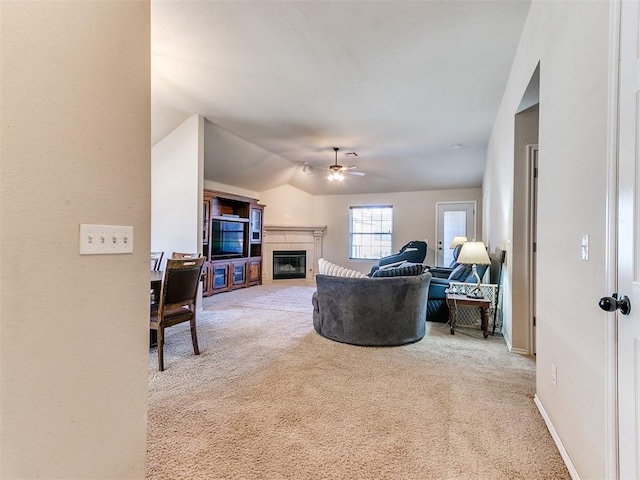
<point>177,301</point>
<point>156,260</point>
<point>177,255</point>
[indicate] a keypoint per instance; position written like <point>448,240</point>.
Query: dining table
<point>154,293</point>
<point>156,284</point>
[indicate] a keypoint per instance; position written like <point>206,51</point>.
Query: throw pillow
<point>404,270</point>
<point>327,268</point>
<point>393,265</point>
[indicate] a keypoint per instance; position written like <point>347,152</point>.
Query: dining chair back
<point>177,301</point>
<point>176,255</point>
<point>156,260</point>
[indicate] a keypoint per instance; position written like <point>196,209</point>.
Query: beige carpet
<point>268,398</point>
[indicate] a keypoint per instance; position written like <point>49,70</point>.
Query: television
<point>227,239</point>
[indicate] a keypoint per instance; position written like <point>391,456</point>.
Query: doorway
<point>519,329</point>
<point>455,219</point>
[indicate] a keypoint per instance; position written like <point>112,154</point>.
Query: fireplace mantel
<point>292,237</point>
<point>295,228</point>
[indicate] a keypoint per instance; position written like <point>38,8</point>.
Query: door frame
<point>610,283</point>
<point>454,202</point>
<point>532,225</point>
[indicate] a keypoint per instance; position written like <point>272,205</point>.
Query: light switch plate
<point>105,239</point>
<point>584,248</point>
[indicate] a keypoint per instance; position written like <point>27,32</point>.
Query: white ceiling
<point>281,83</point>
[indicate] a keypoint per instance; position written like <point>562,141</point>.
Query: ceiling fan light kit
<point>336,171</point>
<point>335,176</point>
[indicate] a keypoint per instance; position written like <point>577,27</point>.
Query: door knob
<point>613,303</point>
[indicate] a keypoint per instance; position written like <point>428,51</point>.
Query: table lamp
<point>474,253</point>
<point>457,241</point>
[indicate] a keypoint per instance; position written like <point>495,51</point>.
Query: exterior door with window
<point>455,219</point>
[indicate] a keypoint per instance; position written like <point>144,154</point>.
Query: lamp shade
<point>474,253</point>
<point>457,241</point>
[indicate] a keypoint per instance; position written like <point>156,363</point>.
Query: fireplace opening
<point>289,264</point>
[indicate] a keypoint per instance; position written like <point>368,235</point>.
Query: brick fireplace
<point>292,238</point>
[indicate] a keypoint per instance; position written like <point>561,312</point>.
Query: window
<point>370,232</point>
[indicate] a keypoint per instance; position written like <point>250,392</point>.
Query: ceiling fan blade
<point>357,174</point>
<point>311,170</point>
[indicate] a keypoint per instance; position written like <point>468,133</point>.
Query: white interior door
<point>455,219</point>
<point>629,243</point>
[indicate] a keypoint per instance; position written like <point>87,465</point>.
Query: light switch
<point>584,247</point>
<point>105,239</point>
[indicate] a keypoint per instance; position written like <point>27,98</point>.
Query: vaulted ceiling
<point>412,87</point>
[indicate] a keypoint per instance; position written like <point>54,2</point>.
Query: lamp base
<point>475,293</point>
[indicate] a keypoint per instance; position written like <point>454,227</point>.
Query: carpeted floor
<point>268,398</point>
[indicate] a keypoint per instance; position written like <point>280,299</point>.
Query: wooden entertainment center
<point>231,242</point>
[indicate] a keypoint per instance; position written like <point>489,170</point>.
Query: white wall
<point>414,216</point>
<point>176,189</point>
<point>571,42</point>
<point>74,342</point>
<point>288,205</point>
<point>226,154</point>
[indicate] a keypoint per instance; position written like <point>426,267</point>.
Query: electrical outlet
<point>105,239</point>
<point>554,375</point>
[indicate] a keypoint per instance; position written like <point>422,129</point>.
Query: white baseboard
<point>520,351</point>
<point>556,438</point>
<point>507,341</point>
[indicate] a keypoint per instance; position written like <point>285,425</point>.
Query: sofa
<point>379,311</point>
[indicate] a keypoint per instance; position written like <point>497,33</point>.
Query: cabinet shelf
<point>225,257</point>
<point>230,219</point>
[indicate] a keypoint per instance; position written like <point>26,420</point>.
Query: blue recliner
<point>444,272</point>
<point>413,252</point>
<point>437,310</point>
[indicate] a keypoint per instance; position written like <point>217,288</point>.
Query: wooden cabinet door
<point>238,274</point>
<point>220,276</point>
<point>255,230</point>
<point>206,216</point>
<point>255,271</point>
<point>206,280</point>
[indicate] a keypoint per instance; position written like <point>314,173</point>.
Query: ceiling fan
<point>336,171</point>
